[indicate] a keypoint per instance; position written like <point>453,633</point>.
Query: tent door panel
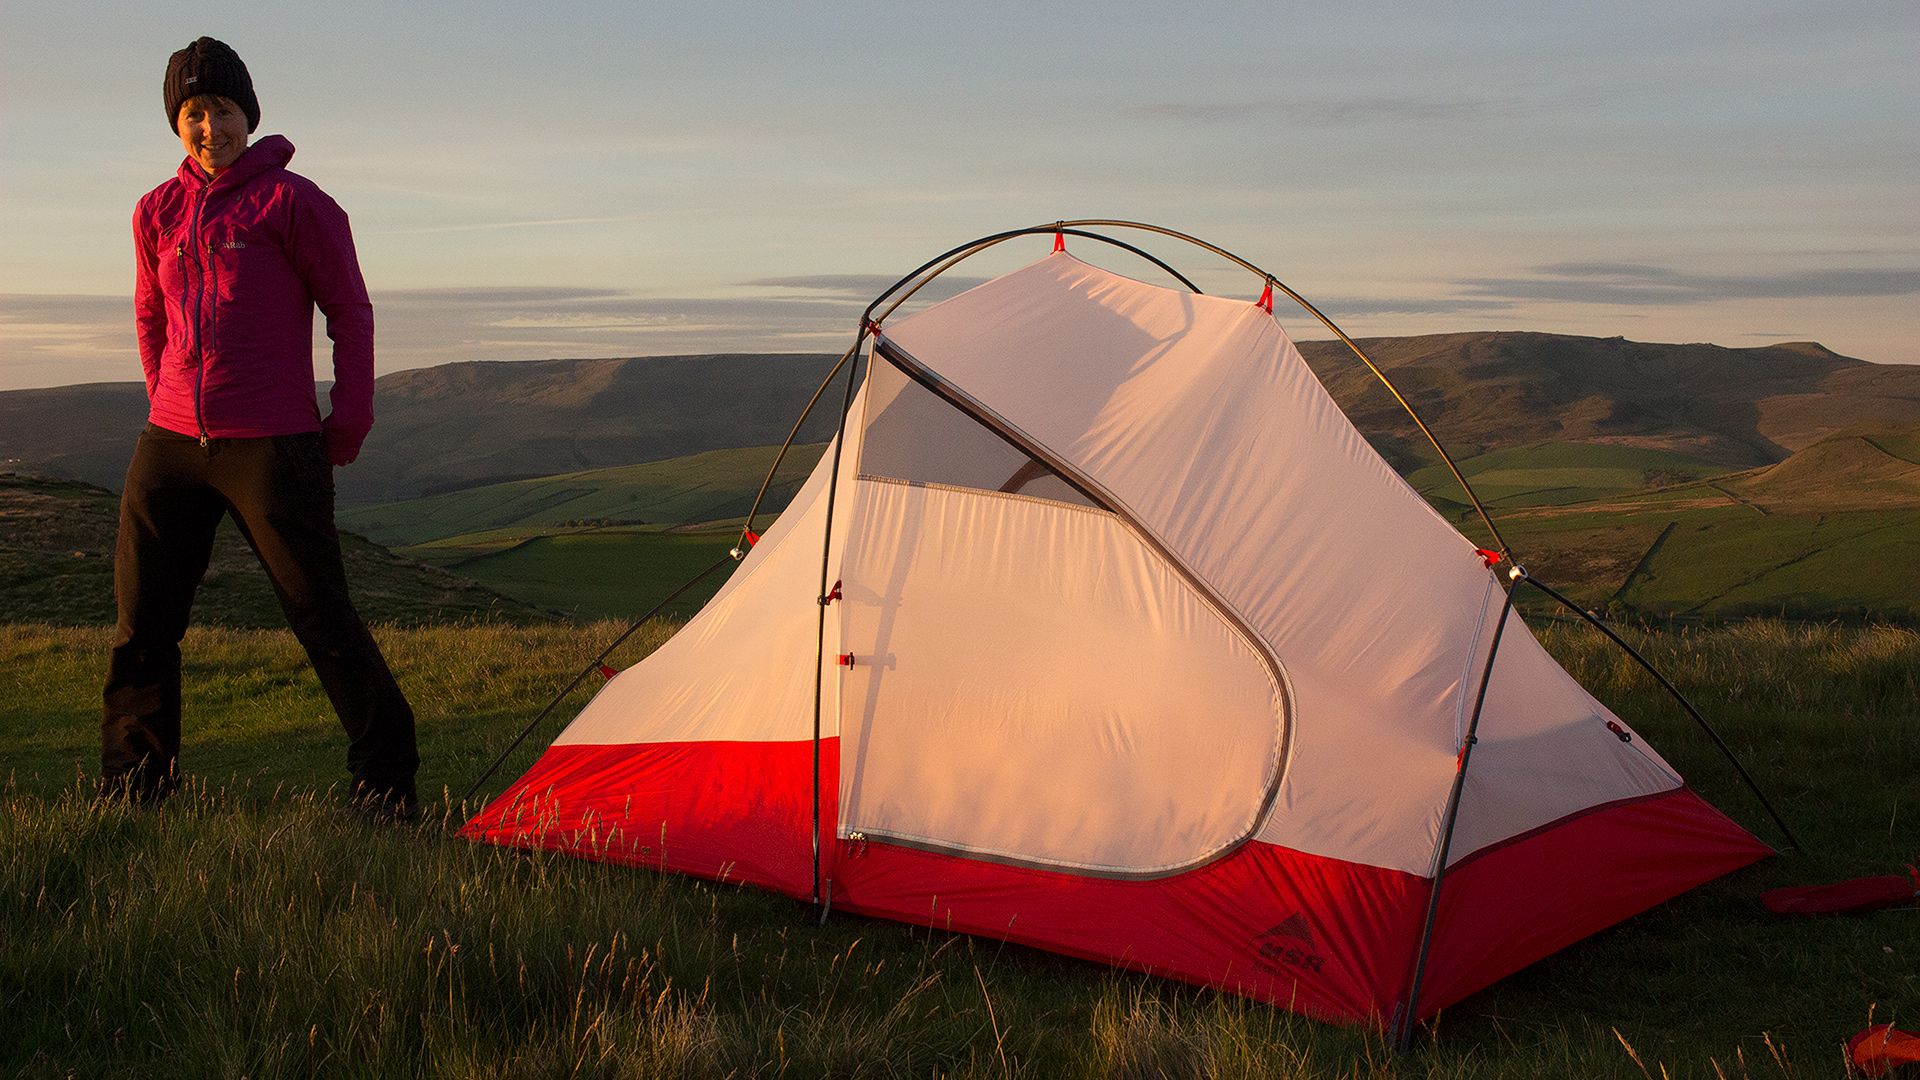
<point>1031,683</point>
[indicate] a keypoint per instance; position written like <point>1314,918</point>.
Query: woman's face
<point>214,134</point>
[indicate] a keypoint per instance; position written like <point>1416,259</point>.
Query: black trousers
<point>280,493</point>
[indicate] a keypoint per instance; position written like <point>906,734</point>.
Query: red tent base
<point>1327,938</point>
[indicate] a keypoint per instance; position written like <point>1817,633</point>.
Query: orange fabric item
<point>1846,898</point>
<point>1882,1048</point>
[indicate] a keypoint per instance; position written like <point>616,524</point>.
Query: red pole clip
<point>607,672</point>
<point>835,593</point>
<point>846,659</point>
<point>1059,242</point>
<point>751,536</point>
<point>872,327</point>
<point>1490,557</point>
<point>1266,298</point>
<point>1619,732</point>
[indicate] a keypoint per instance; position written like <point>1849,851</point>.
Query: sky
<point>597,179</point>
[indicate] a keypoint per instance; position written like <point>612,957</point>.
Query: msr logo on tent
<point>1283,945</point>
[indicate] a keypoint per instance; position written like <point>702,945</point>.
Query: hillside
<point>1491,391</point>
<point>463,425</point>
<point>1874,464</point>
<point>56,566</point>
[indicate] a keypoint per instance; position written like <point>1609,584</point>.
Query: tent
<point>1101,629</point>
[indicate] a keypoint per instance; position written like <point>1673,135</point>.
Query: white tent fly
<point>1101,629</point>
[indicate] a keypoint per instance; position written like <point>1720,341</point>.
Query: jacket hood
<point>271,152</point>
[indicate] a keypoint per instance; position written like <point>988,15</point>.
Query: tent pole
<point>1486,519</point>
<point>947,261</point>
<point>592,665</point>
<point>754,510</point>
<point>1403,1039</point>
<point>826,568</point>
<point>1677,696</point>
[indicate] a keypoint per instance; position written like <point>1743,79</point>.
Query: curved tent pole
<point>933,268</point>
<point>1404,1037</point>
<point>747,531</point>
<point>1517,574</point>
<point>967,251</point>
<point>1677,696</point>
<point>868,321</point>
<point>826,569</point>
<point>1486,519</point>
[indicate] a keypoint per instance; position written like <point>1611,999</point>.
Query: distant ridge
<point>463,425</point>
<point>1495,390</point>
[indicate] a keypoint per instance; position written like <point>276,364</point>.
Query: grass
<point>700,487</point>
<point>245,930</point>
<point>1699,554</point>
<point>1546,474</point>
<point>601,574</point>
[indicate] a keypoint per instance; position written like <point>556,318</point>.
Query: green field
<point>1553,473</point>
<point>703,487</point>
<point>246,930</point>
<point>1699,553</point>
<point>597,574</point>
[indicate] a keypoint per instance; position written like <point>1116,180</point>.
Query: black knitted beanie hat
<point>209,67</point>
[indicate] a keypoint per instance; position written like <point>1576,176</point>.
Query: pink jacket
<point>228,273</point>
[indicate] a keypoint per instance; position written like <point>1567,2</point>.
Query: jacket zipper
<point>200,293</point>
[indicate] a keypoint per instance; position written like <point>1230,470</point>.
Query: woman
<point>233,254</point>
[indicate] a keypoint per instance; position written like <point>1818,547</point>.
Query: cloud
<point>1633,284</point>
<point>62,339</point>
<point>59,340</point>
<point>864,287</point>
<point>1356,306</point>
<point>429,326</point>
<point>530,294</point>
<point>490,225</point>
<point>1334,113</point>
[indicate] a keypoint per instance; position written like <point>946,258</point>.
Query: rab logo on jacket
<point>1290,942</point>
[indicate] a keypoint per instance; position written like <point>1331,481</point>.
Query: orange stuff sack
<point>1881,1049</point>
<point>1847,897</point>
